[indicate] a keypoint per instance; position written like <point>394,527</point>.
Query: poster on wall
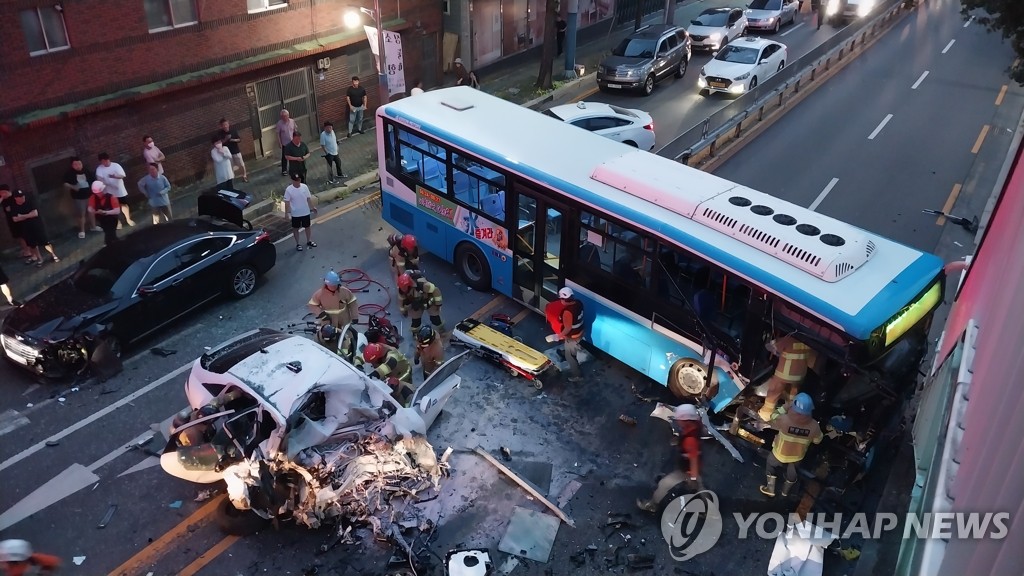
<point>394,59</point>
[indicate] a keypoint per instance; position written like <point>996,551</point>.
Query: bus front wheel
<point>687,378</point>
<point>473,267</point>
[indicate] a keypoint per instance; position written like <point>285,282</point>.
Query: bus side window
<point>425,163</point>
<point>390,148</point>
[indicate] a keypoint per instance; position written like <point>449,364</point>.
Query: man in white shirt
<point>151,154</point>
<point>112,174</point>
<point>417,88</point>
<point>298,205</point>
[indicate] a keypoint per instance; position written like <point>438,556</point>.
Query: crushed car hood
<point>57,312</point>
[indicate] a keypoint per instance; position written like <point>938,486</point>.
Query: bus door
<point>538,247</point>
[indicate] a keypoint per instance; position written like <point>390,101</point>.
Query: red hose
<point>357,281</point>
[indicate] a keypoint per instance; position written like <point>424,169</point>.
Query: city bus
<point>685,277</point>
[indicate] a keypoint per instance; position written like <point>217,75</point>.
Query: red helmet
<point>405,282</point>
<point>394,239</point>
<point>373,352</point>
<point>408,242</point>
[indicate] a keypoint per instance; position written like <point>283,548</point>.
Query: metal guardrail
<point>700,142</point>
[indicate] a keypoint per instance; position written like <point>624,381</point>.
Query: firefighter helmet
<point>425,335</point>
<point>332,279</point>
<point>15,551</point>
<point>373,352</point>
<point>685,412</point>
<point>405,282</point>
<point>408,242</point>
<point>394,239</point>
<point>803,404</point>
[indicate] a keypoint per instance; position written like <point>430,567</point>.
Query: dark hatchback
<point>130,290</point>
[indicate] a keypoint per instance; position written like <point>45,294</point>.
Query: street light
<point>352,20</point>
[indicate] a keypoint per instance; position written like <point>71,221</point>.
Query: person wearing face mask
<point>152,155</point>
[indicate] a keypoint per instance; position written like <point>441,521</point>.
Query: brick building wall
<point>118,82</point>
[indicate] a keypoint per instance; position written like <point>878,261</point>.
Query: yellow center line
<point>1002,93</point>
<point>981,138</point>
<point>154,551</point>
<point>949,204</point>
<point>208,556</point>
<point>371,198</point>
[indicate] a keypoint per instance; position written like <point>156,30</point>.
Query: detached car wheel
<point>235,522</point>
<point>243,281</point>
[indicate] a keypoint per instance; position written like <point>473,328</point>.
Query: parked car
<point>633,127</point>
<point>645,57</point>
<point>716,27</point>
<point>130,290</point>
<point>770,15</point>
<point>841,12</point>
<point>739,66</point>
<point>285,423</point>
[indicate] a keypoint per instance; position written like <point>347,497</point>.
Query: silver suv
<point>645,57</point>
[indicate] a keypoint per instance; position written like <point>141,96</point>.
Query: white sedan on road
<point>716,27</point>
<point>739,66</point>
<point>633,127</point>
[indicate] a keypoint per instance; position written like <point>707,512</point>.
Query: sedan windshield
<point>635,48</point>
<point>712,19</point>
<point>766,5</point>
<point>738,54</point>
<point>101,272</point>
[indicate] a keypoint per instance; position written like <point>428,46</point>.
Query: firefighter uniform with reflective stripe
<point>394,364</point>
<point>402,260</point>
<point>422,295</point>
<point>339,304</point>
<point>795,358</point>
<point>430,355</point>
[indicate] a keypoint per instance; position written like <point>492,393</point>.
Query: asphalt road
<point>896,131</point>
<point>676,105</point>
<point>881,185</point>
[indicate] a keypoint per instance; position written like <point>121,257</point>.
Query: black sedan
<point>132,289</point>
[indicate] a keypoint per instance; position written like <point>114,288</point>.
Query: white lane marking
<point>828,188</point>
<point>879,127</point>
<point>125,448</point>
<point>919,80</point>
<point>89,420</point>
<point>71,480</point>
<point>11,420</point>
<point>792,29</point>
<point>948,46</point>
<point>968,23</point>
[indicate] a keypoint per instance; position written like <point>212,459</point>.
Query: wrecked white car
<point>296,432</point>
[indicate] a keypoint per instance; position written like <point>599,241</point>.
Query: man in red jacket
<point>687,425</point>
<point>565,316</point>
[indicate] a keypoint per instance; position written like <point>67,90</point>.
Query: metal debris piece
<point>78,560</point>
<point>162,352</point>
<point>627,420</point>
<point>530,534</point>
<point>468,563</point>
<point>568,492</point>
<point>205,495</point>
<point>526,486</point>
<point>508,565</point>
<point>108,516</point>
<point>640,561</point>
<point>506,454</point>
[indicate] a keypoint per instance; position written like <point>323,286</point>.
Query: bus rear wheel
<point>687,378</point>
<point>473,267</point>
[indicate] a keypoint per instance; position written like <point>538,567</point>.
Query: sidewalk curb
<point>559,93</point>
<point>265,207</point>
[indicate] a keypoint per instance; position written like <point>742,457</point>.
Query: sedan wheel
<point>778,24</point>
<point>753,84</point>
<point>781,66</point>
<point>649,85</point>
<point>243,281</point>
<point>681,70</point>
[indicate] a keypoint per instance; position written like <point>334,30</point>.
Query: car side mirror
<point>764,61</point>
<point>146,290</point>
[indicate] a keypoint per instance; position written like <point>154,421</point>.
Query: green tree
<point>1005,17</point>
<point>547,54</point>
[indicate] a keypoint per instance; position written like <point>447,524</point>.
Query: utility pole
<point>573,8</point>
<point>639,14</point>
<point>670,12</point>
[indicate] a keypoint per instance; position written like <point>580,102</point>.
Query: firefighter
<point>565,316</point>
<point>18,559</point>
<point>687,425</point>
<point>429,350</point>
<point>417,294</point>
<point>404,253</point>
<point>391,366</point>
<point>797,430</point>
<point>795,358</point>
<point>337,301</point>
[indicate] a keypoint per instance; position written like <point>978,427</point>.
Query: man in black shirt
<point>296,153</point>
<point>356,97</point>
<point>230,139</point>
<point>77,181</point>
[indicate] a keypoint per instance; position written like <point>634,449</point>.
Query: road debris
<point>164,352</point>
<point>78,560</point>
<point>525,485</point>
<point>468,563</point>
<point>506,454</point>
<point>52,443</point>
<point>508,565</point>
<point>530,534</point>
<point>175,505</point>
<point>108,516</point>
<point>640,561</point>
<point>205,495</point>
<point>627,420</point>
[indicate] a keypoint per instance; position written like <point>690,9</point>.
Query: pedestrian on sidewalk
<point>151,154</point>
<point>560,26</point>
<point>297,152</point>
<point>113,175</point>
<point>461,74</point>
<point>329,141</point>
<point>105,209</point>
<point>356,97</point>
<point>222,170</point>
<point>474,81</point>
<point>231,140</point>
<point>26,214</point>
<point>155,187</point>
<point>6,290</point>
<point>77,181</point>
<point>285,128</point>
<point>298,205</point>
<point>7,203</point>
<point>417,87</point>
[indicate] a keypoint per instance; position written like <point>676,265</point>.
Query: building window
<point>167,14</point>
<point>44,30</point>
<point>261,5</point>
<point>446,6</point>
<point>361,63</point>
